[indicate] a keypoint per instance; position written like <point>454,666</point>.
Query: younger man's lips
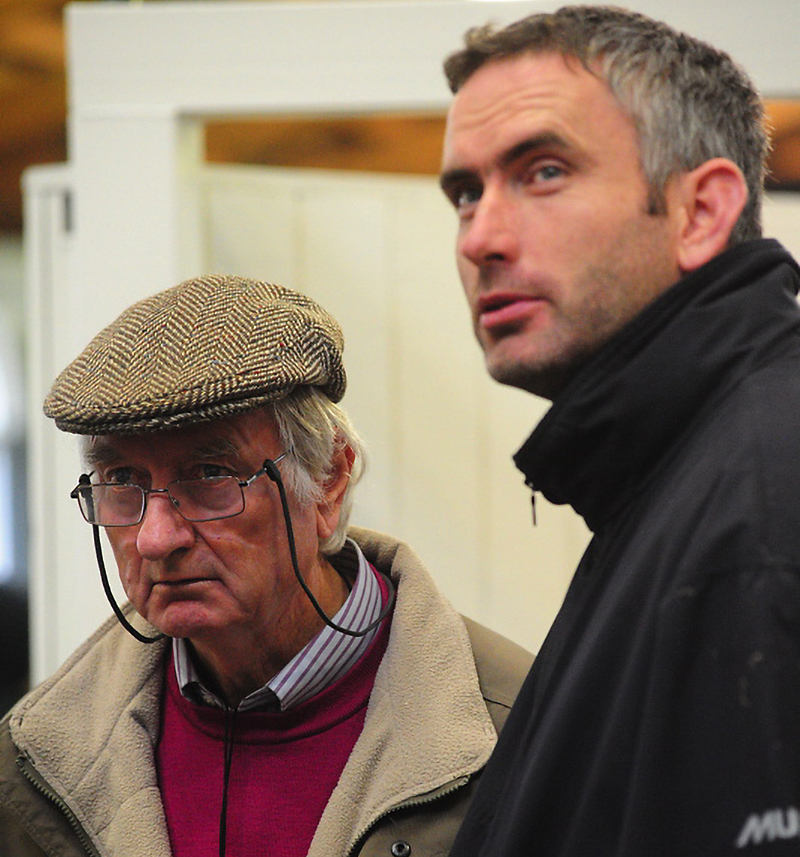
<point>502,310</point>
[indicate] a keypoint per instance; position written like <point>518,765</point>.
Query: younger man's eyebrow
<point>456,178</point>
<point>546,140</point>
<point>463,175</point>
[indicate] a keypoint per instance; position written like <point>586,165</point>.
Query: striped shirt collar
<point>323,660</point>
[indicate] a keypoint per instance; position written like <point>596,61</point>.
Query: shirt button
<point>401,848</point>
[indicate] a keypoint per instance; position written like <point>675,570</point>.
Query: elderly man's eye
<point>210,471</point>
<point>119,475</point>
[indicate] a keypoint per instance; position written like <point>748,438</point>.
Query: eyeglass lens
<point>196,500</point>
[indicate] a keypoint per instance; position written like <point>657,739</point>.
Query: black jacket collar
<point>609,427</point>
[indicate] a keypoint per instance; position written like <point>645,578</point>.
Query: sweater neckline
<point>336,703</point>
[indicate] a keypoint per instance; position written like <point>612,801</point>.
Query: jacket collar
<point>600,441</point>
<point>420,737</point>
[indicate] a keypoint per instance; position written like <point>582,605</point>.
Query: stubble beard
<point>615,287</point>
<point>555,356</point>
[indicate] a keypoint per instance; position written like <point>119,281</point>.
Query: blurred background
<point>33,109</point>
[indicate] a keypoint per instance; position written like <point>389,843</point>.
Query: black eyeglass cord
<point>230,723</point>
<point>98,549</point>
<point>274,474</point>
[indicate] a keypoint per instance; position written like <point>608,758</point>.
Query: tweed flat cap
<point>205,349</point>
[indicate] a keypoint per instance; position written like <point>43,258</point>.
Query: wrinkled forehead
<point>529,95</point>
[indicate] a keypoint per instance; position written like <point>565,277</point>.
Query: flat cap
<point>208,348</point>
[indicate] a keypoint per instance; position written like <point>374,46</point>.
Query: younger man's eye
<point>545,172</point>
<point>466,197</point>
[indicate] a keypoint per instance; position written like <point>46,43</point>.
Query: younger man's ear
<point>710,199</point>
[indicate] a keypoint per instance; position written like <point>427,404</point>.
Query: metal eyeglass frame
<point>85,481</point>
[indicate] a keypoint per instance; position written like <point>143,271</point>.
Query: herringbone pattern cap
<point>205,349</point>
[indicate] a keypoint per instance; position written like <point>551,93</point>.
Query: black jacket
<point>662,716</point>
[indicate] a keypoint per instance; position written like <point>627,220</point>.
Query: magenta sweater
<point>284,766</point>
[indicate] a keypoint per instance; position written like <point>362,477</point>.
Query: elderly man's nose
<point>163,530</point>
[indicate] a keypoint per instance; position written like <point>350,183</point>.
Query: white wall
<point>782,219</point>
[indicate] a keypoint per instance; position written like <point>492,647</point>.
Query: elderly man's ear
<point>708,201</point>
<point>329,507</point>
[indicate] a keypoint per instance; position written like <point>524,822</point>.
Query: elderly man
<point>607,174</point>
<point>287,687</point>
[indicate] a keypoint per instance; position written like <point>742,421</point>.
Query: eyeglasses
<point>112,504</point>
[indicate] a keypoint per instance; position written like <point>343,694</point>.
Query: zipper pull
<point>533,501</point>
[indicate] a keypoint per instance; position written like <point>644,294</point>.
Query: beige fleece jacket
<point>89,731</point>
